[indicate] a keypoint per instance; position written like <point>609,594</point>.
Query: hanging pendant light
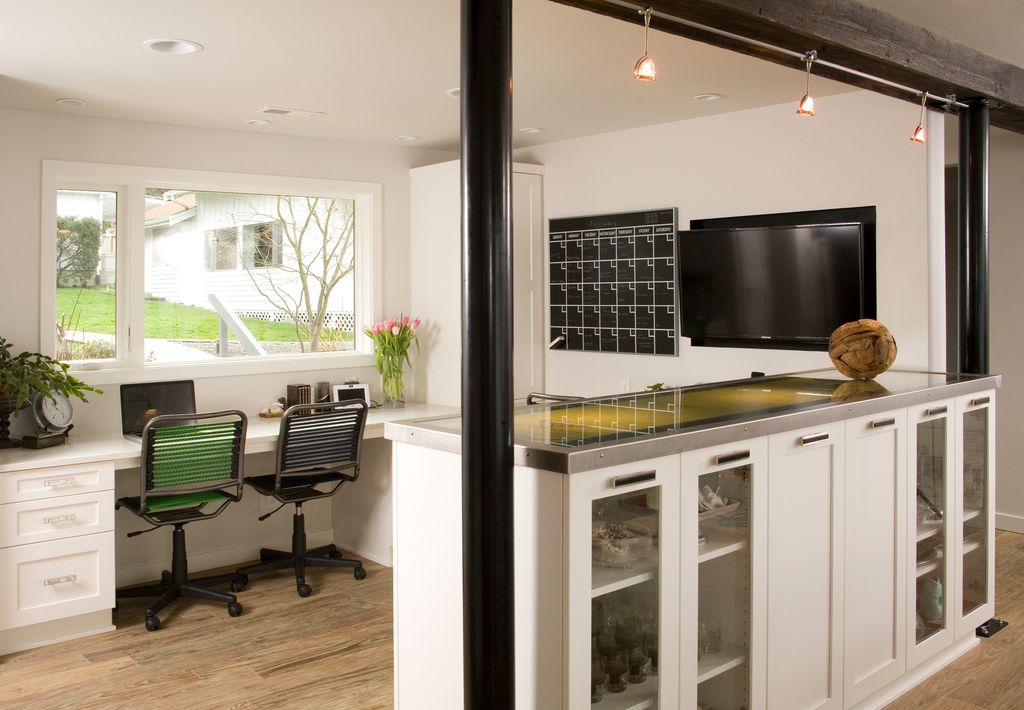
<point>806,107</point>
<point>644,69</point>
<point>920,135</point>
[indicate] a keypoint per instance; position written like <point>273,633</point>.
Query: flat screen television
<point>784,287</point>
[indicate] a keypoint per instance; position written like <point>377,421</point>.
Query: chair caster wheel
<point>234,609</point>
<point>359,573</point>
<point>152,623</point>
<point>239,583</point>
<point>334,553</point>
<point>165,577</point>
<point>304,590</point>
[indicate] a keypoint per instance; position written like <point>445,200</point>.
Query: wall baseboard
<point>1013,523</point>
<point>224,557</point>
<point>48,632</point>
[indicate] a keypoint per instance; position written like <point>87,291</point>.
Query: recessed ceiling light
<point>71,103</point>
<point>706,97</point>
<point>258,122</point>
<point>406,139</point>
<point>173,46</point>
<point>454,93</point>
<point>531,129</point>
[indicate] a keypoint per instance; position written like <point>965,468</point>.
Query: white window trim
<point>130,183</point>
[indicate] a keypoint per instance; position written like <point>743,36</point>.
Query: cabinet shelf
<point>718,663</point>
<point>972,544</point>
<point>720,542</point>
<point>928,528</point>
<point>971,513</point>
<point>606,580</point>
<point>634,697</point>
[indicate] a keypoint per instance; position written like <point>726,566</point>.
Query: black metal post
<point>487,522</point>
<point>973,237</point>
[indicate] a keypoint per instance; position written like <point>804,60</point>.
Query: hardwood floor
<point>988,676</point>
<point>334,650</point>
<point>331,650</point>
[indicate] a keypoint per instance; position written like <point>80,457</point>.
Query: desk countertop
<point>261,436</point>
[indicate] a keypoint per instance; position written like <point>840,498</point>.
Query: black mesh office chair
<point>189,462</point>
<point>317,452</point>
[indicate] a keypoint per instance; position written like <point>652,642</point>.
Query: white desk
<point>57,543</point>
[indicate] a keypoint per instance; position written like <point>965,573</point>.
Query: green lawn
<point>93,310</point>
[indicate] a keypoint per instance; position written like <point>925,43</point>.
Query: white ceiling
<point>377,69</point>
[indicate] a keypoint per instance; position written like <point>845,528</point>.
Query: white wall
<point>854,152</point>
<point>1006,256</point>
<point>27,138</point>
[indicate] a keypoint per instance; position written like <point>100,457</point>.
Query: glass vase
<point>394,381</point>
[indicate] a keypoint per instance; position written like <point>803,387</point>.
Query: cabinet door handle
<point>633,478</point>
<point>813,438</point>
<point>935,410</point>
<point>60,580</point>
<point>879,423</point>
<point>65,518</point>
<point>733,457</point>
<point>61,482</point>
<point>979,401</point>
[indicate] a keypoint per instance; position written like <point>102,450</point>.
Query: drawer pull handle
<point>633,478</point>
<point>879,423</point>
<point>61,482</point>
<point>60,580</point>
<point>65,518</point>
<point>813,438</point>
<point>733,457</point>
<point>980,401</point>
<point>935,410</point>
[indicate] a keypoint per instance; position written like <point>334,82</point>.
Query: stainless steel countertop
<point>442,433</point>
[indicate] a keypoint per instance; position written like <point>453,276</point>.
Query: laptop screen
<point>141,402</point>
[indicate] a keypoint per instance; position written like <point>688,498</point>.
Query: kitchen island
<point>786,542</point>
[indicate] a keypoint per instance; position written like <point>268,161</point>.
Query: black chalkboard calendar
<point>613,283</point>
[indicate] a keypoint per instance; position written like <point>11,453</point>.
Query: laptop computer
<point>145,400</point>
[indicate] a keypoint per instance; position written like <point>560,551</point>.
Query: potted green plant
<point>21,376</point>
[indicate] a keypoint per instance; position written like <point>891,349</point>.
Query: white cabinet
<point>875,553</point>
<point>974,523</point>
<point>56,543</point>
<point>930,506</point>
<point>622,594</point>
<point>805,569</point>
<point>724,603</point>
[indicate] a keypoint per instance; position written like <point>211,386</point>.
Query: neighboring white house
<point>245,249</point>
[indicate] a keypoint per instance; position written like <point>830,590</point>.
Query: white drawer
<point>54,481</point>
<point>55,518</point>
<point>54,580</point>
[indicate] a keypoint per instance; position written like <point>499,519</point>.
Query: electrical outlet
<point>623,385</point>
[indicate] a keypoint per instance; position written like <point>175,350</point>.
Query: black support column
<point>973,238</point>
<point>487,524</point>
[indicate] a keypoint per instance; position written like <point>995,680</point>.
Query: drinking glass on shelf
<point>702,639</point>
<point>629,636</point>
<point>637,661</point>
<point>650,646</point>
<point>713,632</point>
<point>596,673</point>
<point>615,666</point>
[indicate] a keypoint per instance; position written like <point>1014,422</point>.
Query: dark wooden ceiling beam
<point>849,34</point>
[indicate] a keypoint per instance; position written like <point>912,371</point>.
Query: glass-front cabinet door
<point>975,503</point>
<point>930,612</point>
<point>721,646</point>
<point>623,586</point>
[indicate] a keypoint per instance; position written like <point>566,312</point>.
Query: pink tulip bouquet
<point>392,339</point>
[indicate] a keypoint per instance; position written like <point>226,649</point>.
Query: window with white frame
<point>212,273</point>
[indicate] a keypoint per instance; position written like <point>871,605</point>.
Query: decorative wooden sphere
<point>862,349</point>
<point>856,390</point>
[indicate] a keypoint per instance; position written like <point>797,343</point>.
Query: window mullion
<point>132,253</point>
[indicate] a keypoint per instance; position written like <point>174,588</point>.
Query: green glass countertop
<point>634,416</point>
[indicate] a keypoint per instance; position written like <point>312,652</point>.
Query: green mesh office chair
<point>318,451</point>
<point>191,470</point>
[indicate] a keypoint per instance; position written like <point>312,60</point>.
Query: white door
<point>975,511</point>
<point>528,284</point>
<point>875,554</point>
<point>805,569</point>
